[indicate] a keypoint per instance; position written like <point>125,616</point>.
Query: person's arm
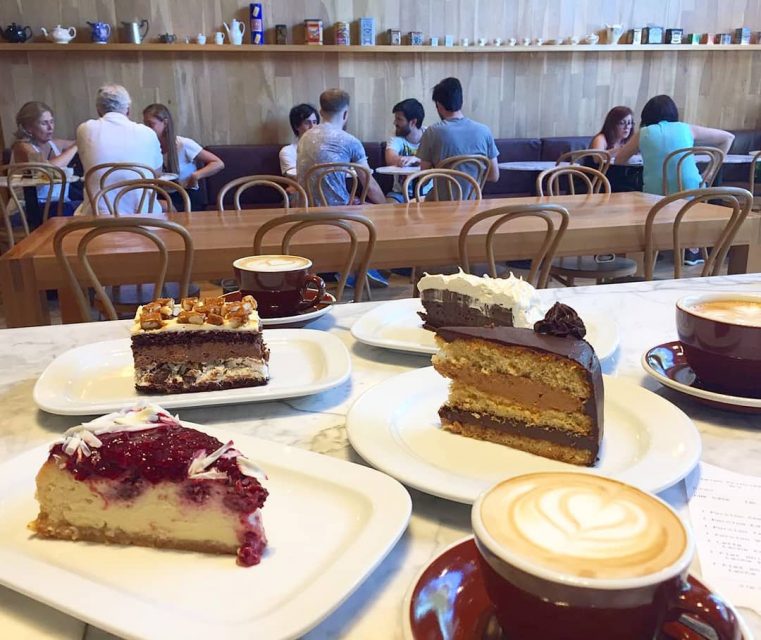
<point>492,173</point>
<point>599,142</point>
<point>712,137</point>
<point>394,158</point>
<point>287,158</point>
<point>25,152</point>
<point>211,164</point>
<point>375,194</point>
<point>425,150</point>
<point>628,150</point>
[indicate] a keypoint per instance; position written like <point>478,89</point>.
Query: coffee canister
<point>343,33</point>
<point>674,36</point>
<point>367,32</point>
<point>394,36</point>
<point>256,22</point>
<point>281,34</point>
<point>416,38</point>
<point>313,30</point>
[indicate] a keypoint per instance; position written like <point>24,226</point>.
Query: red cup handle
<point>706,608</point>
<point>311,278</point>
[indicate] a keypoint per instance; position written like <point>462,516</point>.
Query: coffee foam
<point>744,312</point>
<point>272,264</point>
<point>582,526</point>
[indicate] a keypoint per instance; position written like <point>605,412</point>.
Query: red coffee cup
<point>575,556</point>
<point>279,283</point>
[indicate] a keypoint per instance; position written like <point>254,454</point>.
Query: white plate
<point>396,325</point>
<point>98,377</point>
<point>301,318</point>
<point>647,441</point>
<point>329,524</point>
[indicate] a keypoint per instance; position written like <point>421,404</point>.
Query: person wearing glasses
<point>616,131</point>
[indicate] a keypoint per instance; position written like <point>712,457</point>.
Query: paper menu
<point>725,510</point>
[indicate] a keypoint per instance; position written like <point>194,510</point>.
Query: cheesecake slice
<point>139,477</point>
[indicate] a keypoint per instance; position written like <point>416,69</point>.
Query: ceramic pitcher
<point>235,31</point>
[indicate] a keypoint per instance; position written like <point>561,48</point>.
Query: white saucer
<point>396,325</point>
<point>647,442</point>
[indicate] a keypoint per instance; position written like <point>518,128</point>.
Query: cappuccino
<point>569,526</point>
<point>744,312</point>
<point>272,264</point>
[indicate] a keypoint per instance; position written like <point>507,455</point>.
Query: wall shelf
<point>155,47</point>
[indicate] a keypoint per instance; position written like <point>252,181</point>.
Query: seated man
<point>455,135</point>
<point>115,138</point>
<point>328,142</point>
<point>401,148</point>
<point>302,118</point>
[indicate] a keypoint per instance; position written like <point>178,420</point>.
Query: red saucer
<point>448,601</point>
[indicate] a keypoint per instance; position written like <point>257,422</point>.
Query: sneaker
<point>376,279</point>
<point>692,257</point>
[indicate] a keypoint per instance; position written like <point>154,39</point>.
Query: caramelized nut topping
<point>249,301</point>
<point>236,318</point>
<point>188,304</point>
<point>190,317</point>
<point>151,320</point>
<point>214,318</point>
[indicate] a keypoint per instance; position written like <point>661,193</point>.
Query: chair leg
<point>367,288</point>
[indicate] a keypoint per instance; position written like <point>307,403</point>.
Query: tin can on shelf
<point>416,38</point>
<point>723,38</point>
<point>707,38</point>
<point>367,32</point>
<point>343,33</point>
<point>742,35</point>
<point>256,22</point>
<point>257,37</point>
<point>693,38</point>
<point>652,35</point>
<point>394,36</point>
<point>281,34</point>
<point>636,36</point>
<point>674,36</point>
<point>313,31</point>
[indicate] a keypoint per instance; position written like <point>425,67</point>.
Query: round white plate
<point>396,325</point>
<point>647,442</point>
<point>321,309</point>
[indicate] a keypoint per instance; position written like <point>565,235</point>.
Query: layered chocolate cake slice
<point>202,344</point>
<point>140,477</point>
<point>464,300</point>
<point>535,390</point>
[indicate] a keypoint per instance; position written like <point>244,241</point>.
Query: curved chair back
<point>550,214</point>
<point>279,183</point>
<point>478,165</point>
<point>707,176</point>
<point>454,180</point>
<point>600,157</point>
<point>548,181</point>
<point>754,169</point>
<point>97,178</point>
<point>150,189</point>
<point>96,227</point>
<point>736,200</point>
<point>340,220</point>
<point>315,176</point>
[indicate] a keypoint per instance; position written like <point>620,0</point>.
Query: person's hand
<point>408,161</point>
<point>192,181</point>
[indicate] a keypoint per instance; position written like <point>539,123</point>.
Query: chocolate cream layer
<point>196,346</point>
<point>447,308</point>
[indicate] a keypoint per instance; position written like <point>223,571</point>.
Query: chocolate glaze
<point>555,436</point>
<point>561,321</point>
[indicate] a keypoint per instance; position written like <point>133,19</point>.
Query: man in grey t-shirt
<point>328,142</point>
<point>455,135</point>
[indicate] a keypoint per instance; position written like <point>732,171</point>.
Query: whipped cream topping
<point>82,439</point>
<point>511,292</point>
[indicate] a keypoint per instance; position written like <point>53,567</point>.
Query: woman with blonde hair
<point>183,156</point>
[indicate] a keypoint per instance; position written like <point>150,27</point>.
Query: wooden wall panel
<point>220,99</point>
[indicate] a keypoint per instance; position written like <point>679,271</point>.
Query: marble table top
<point>644,313</point>
<point>398,171</point>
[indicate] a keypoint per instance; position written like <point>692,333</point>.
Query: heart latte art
<point>272,263</point>
<point>583,525</point>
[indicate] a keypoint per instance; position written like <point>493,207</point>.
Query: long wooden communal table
<point>422,234</point>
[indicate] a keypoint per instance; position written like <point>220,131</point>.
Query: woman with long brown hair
<point>616,130</point>
<point>183,156</point>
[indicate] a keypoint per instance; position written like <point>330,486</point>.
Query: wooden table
<point>424,234</point>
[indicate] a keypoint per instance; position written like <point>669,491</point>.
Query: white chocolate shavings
<point>199,467</point>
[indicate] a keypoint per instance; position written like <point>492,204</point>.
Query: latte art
<point>583,525</point>
<point>272,264</point>
<point>745,312</point>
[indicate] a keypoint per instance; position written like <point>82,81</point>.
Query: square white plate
<point>98,378</point>
<point>329,524</point>
<point>396,325</point>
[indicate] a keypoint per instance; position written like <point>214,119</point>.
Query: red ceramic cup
<point>575,556</point>
<point>721,337</point>
<point>279,283</point>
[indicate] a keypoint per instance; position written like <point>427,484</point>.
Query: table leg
<point>67,304</point>
<point>24,304</point>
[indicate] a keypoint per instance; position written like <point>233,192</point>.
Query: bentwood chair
<point>755,170</point>
<point>346,222</point>
<point>738,203</point>
<point>97,227</point>
<point>600,267</point>
<point>707,175</point>
<point>99,176</point>
<point>553,216</point>
<point>151,189</point>
<point>315,176</point>
<point>474,165</point>
<point>452,178</point>
<point>28,176</point>
<point>281,184</point>
<point>601,158</point>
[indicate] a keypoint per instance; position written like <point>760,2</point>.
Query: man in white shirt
<point>302,118</point>
<point>115,138</point>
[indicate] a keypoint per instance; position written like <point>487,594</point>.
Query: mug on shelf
<point>201,38</point>
<point>219,38</point>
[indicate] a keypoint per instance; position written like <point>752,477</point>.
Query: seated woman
<point>183,156</point>
<point>616,131</point>
<point>302,118</point>
<point>36,142</point>
<point>660,133</point>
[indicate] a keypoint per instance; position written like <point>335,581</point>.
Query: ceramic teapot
<point>235,31</point>
<point>101,32</point>
<point>60,35</point>
<point>613,33</point>
<point>16,33</point>
<point>168,38</point>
